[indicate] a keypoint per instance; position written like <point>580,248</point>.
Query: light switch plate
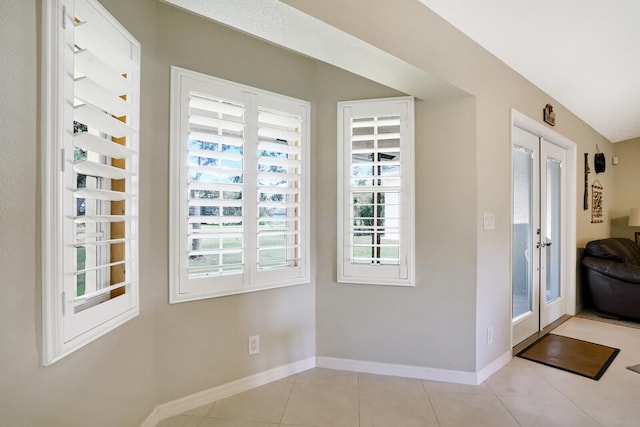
<point>254,344</point>
<point>489,221</point>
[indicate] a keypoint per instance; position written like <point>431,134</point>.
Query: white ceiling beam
<point>285,26</point>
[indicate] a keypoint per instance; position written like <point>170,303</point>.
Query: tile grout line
<point>203,417</point>
<point>504,405</point>
<point>284,410</point>
<point>433,408</point>
<point>565,396</point>
<point>358,396</point>
<point>546,382</point>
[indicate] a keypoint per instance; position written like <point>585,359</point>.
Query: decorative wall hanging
<point>548,115</point>
<point>586,181</point>
<point>596,202</point>
<point>599,163</point>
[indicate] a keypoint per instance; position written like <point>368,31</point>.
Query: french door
<point>538,234</point>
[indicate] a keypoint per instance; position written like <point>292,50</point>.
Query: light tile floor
<point>522,393</point>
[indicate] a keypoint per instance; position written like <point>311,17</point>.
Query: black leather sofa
<point>612,274</point>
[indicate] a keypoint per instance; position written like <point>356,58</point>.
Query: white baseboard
<point>178,406</point>
<point>152,419</point>
<point>418,372</point>
<point>493,367</point>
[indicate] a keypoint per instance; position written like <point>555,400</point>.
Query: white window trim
<point>182,288</point>
<point>58,319</point>
<point>404,274</point>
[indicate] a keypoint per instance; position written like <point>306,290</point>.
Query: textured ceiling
<point>583,53</point>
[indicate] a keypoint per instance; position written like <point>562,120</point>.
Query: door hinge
<point>62,162</point>
<point>64,17</point>
<point>64,305</point>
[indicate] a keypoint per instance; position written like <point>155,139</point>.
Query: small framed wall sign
<point>548,115</point>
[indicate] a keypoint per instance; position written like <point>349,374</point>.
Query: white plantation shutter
<point>215,187</point>
<point>91,163</point>
<point>375,185</point>
<point>87,141</point>
<point>376,191</point>
<point>279,186</point>
<point>239,207</point>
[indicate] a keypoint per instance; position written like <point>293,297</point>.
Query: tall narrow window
<point>375,151</point>
<point>239,169</point>
<point>90,179</point>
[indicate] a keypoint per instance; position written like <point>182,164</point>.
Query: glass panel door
<point>538,227</point>
<point>522,272</point>
<point>525,275</point>
<point>553,230</point>
<point>553,227</point>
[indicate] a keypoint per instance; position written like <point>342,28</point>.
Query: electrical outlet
<point>254,344</point>
<point>489,221</point>
<point>490,335</point>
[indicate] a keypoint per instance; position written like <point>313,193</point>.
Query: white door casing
<point>549,150</point>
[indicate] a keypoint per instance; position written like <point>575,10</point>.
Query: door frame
<point>524,122</point>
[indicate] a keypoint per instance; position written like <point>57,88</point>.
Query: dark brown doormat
<point>569,354</point>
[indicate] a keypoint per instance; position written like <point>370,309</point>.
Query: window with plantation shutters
<point>239,174</point>
<point>215,187</point>
<point>279,189</point>
<point>375,164</point>
<point>90,179</point>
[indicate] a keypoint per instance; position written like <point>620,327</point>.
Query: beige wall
<point>422,38</point>
<point>403,325</point>
<point>208,339</point>
<point>627,184</point>
<point>169,351</point>
<point>586,230</point>
<point>110,382</point>
<point>626,177</point>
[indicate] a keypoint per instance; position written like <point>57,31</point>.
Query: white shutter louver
<point>375,190</point>
<point>90,202</point>
<point>104,172</point>
<point>279,184</point>
<point>215,187</point>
